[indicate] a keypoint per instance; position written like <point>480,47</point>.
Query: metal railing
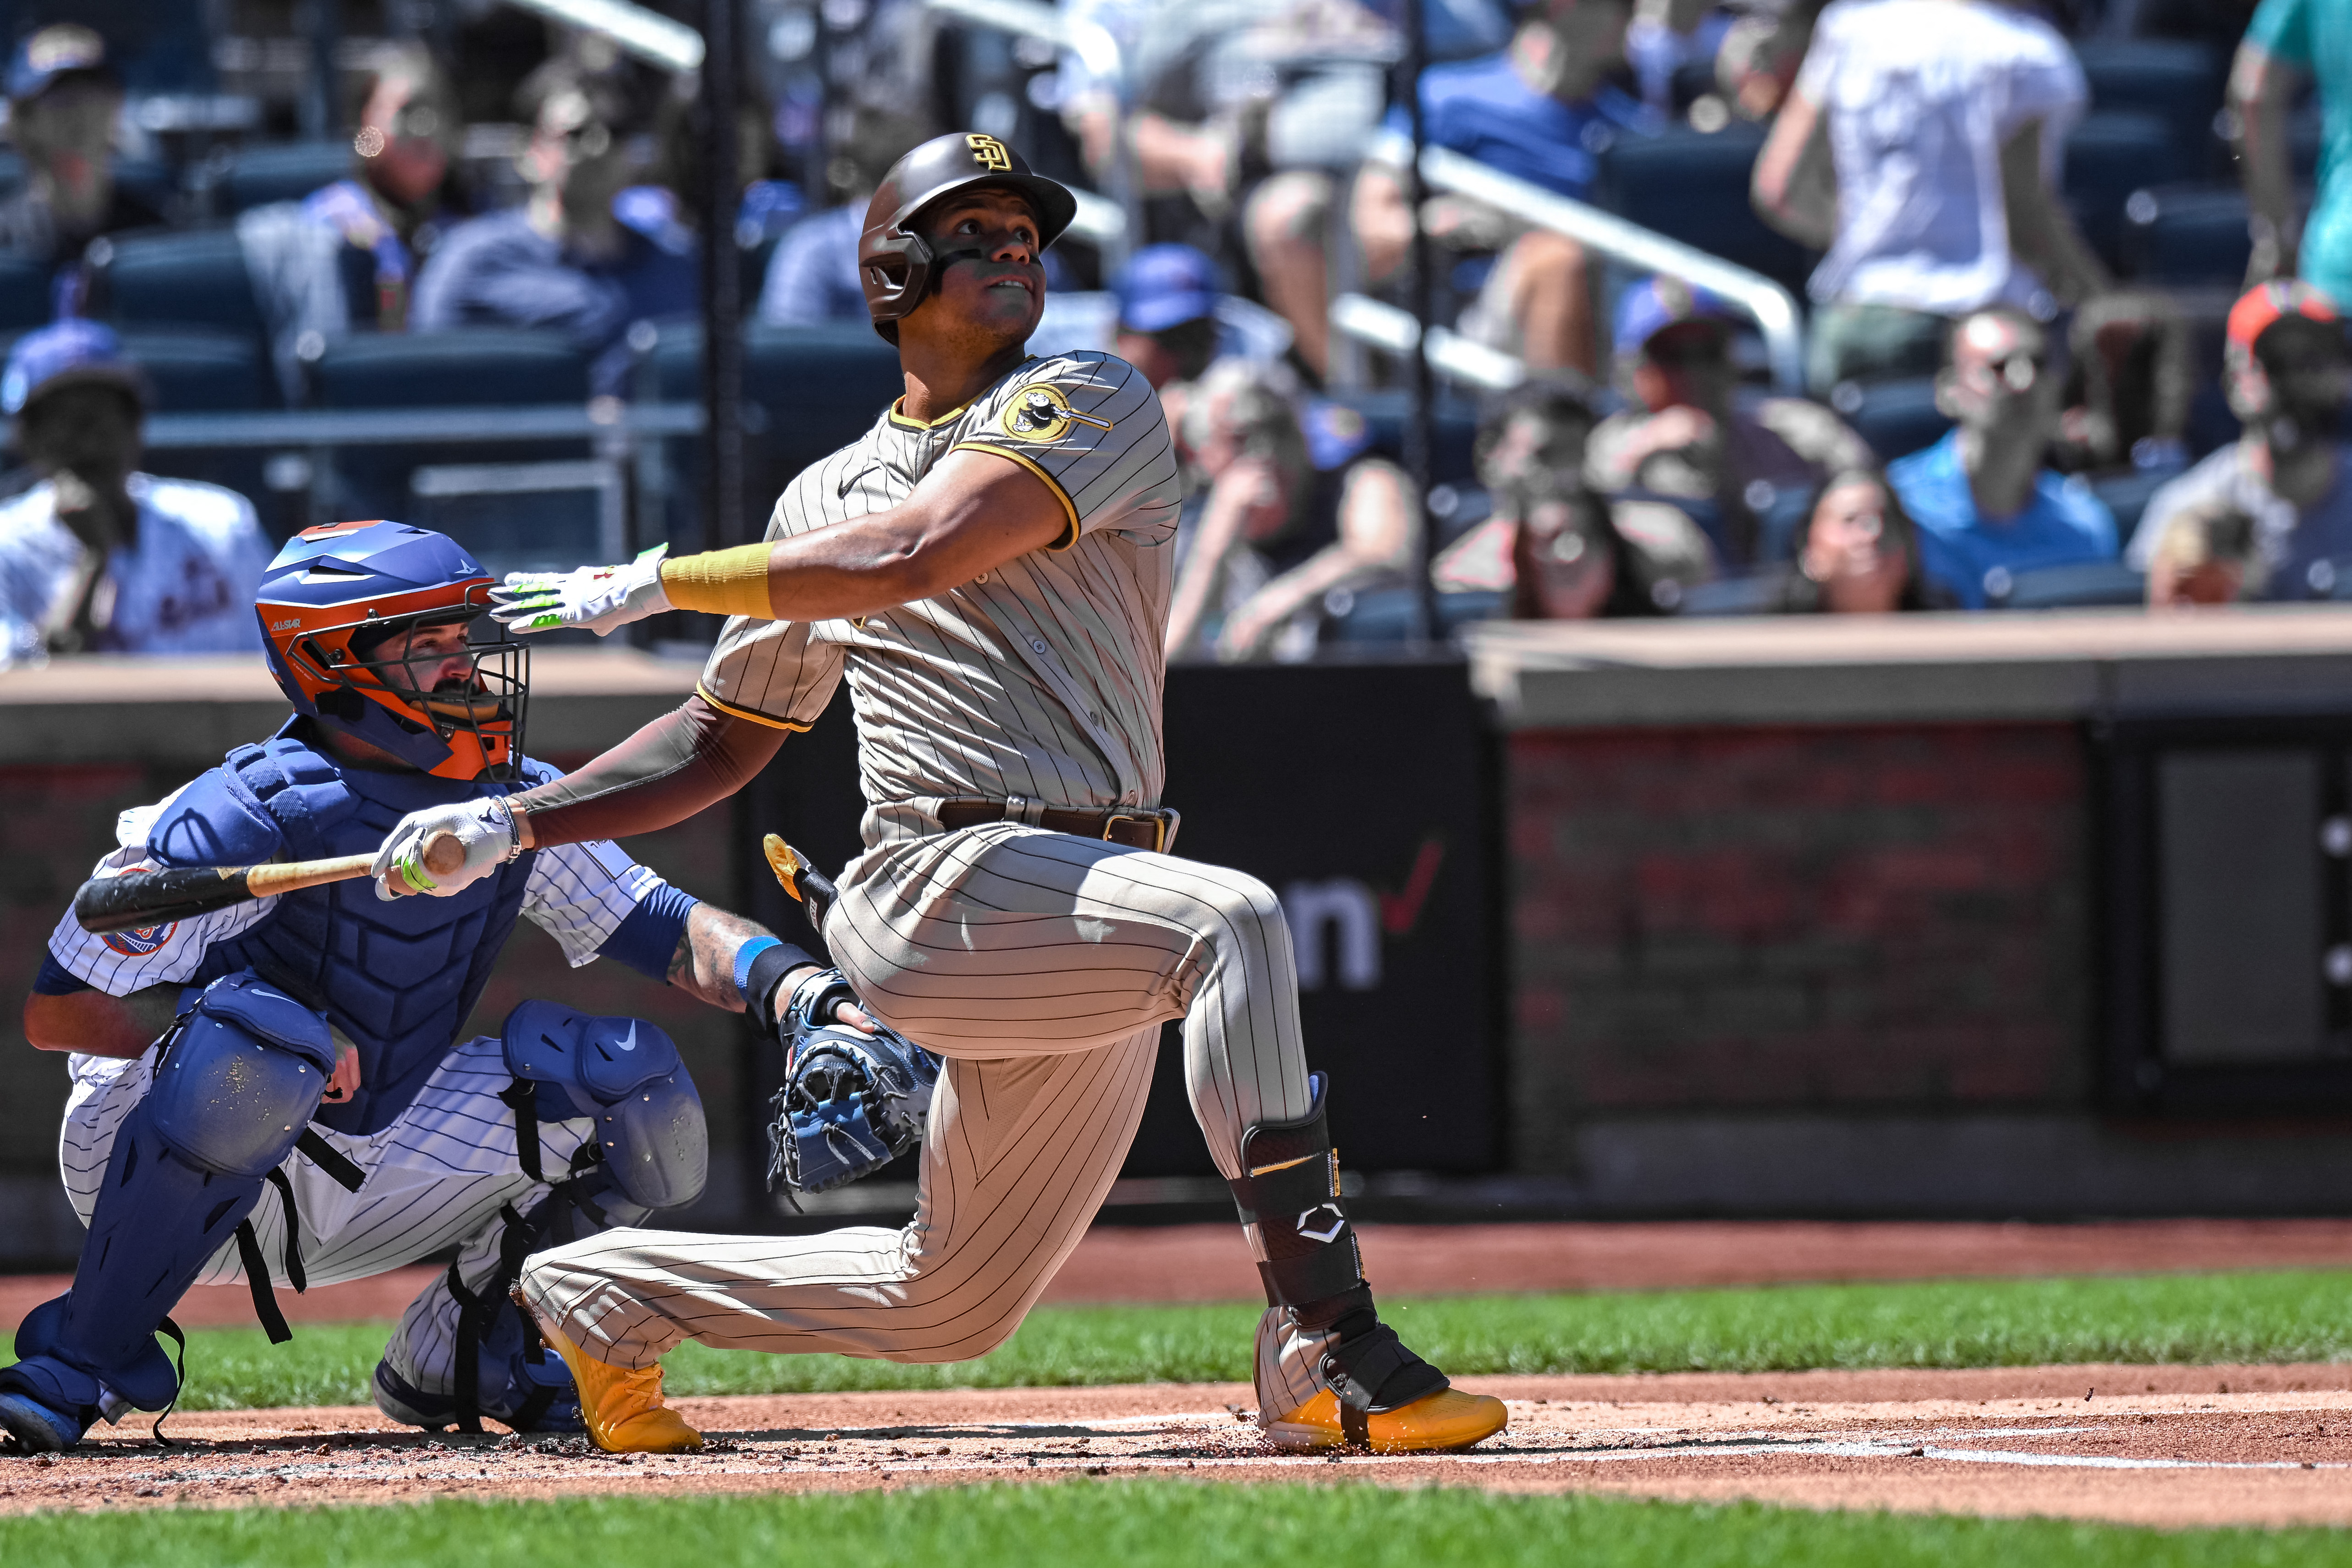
<point>421,426</point>
<point>1108,221</point>
<point>1772,308</point>
<point>1451,355</point>
<point>648,35</point>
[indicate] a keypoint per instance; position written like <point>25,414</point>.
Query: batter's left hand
<point>602,599</point>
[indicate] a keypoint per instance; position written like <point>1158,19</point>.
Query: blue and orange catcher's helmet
<point>339,609</point>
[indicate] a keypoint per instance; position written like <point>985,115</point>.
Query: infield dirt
<point>2162,1446</point>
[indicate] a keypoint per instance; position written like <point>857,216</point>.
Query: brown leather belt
<point>1149,828</point>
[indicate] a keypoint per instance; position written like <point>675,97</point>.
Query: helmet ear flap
<point>897,269</point>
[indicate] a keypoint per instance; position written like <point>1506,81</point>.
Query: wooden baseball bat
<point>159,897</point>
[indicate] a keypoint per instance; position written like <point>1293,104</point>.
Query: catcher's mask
<point>340,608</point>
<point>896,266</point>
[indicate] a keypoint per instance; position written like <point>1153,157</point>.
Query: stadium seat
<point>282,173</point>
<point>429,370</point>
<point>810,390</point>
<point>1692,186</point>
<point>1755,594</point>
<point>1384,415</point>
<point>1897,417</point>
<point>25,298</point>
<point>2178,81</point>
<point>1386,615</point>
<point>2109,156</point>
<point>481,366</point>
<point>2126,496</point>
<point>193,280</point>
<point>2085,586</point>
<point>2187,235</point>
<point>195,370</point>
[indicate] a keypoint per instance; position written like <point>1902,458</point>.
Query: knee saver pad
<point>243,1078</point>
<point>627,1076</point>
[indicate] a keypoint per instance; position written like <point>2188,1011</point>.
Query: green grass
<point>1134,1524</point>
<point>2190,1318</point>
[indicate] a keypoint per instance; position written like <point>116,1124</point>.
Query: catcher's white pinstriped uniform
<point>1039,964</point>
<point>435,1177</point>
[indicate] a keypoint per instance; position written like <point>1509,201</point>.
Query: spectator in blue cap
<point>63,101</point>
<point>346,253</point>
<point>98,557</point>
<point>1733,457</point>
<point>592,253</point>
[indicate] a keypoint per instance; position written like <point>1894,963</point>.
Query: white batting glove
<point>484,829</point>
<point>601,598</point>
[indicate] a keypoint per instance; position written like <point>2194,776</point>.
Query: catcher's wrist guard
<point>851,1101</point>
<point>761,966</point>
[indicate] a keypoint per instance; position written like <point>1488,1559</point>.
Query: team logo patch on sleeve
<point>1043,414</point>
<point>138,940</point>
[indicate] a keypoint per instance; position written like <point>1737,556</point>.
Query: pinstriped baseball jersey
<point>1041,679</point>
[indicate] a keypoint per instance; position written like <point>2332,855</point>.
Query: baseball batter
<point>988,567</point>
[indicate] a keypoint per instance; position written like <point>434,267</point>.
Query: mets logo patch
<point>1043,414</point>
<point>138,940</point>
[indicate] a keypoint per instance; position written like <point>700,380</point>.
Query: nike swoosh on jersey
<point>846,484</point>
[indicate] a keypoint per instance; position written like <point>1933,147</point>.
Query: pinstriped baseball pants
<point>437,1177</point>
<point>1041,966</point>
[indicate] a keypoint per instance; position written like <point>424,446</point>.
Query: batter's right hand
<point>484,829</point>
<point>602,599</point>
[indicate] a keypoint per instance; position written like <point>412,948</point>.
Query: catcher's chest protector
<point>399,978</point>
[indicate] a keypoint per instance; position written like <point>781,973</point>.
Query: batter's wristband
<point>720,583</point>
<point>762,973</point>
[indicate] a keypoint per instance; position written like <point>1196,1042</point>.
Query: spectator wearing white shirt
<point>98,557</point>
<point>1921,148</point>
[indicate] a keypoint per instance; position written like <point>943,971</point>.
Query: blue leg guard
<point>649,1151</point>
<point>235,1090</point>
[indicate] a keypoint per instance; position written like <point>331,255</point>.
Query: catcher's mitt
<point>851,1101</point>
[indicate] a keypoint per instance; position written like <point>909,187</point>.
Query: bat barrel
<point>157,897</point>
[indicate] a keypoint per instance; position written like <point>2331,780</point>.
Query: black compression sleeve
<point>691,757</point>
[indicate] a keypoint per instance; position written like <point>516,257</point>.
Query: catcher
<point>988,567</point>
<point>306,1043</point>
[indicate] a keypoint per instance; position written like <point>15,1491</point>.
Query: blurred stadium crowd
<point>2064,273</point>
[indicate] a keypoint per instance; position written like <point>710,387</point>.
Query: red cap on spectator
<point>2251,317</point>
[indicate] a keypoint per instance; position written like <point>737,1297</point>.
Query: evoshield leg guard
<point>231,1094</point>
<point>1288,1195</point>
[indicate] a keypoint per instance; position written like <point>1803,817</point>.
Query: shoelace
<point>637,1394</point>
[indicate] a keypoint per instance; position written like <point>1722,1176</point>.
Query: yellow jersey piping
<point>1069,537</point>
<point>726,707</point>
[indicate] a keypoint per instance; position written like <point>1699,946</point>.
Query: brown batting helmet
<point>896,266</point>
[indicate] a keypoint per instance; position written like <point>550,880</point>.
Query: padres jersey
<point>1040,678</point>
